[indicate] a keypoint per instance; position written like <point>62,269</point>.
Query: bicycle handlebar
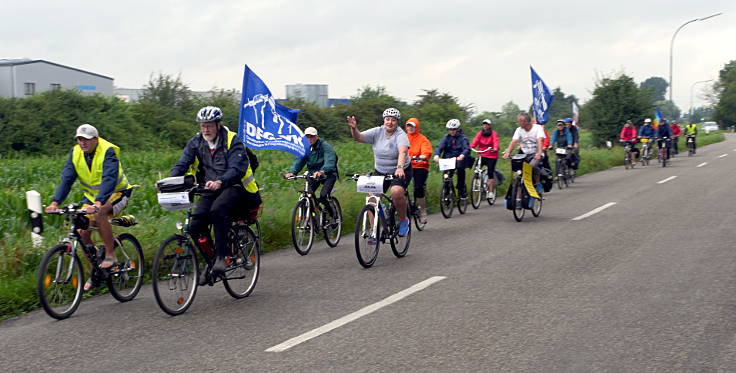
<point>481,151</point>
<point>304,176</point>
<point>356,176</point>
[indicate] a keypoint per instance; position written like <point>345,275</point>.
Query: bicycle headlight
<point>179,225</point>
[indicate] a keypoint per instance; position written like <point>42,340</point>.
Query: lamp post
<point>672,43</point>
<point>691,96</point>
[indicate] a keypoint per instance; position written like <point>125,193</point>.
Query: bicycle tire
<point>476,191</point>
<point>537,208</point>
<point>332,233</point>
<point>302,227</point>
<point>462,204</point>
<point>416,215</point>
<point>399,245</point>
<point>518,210</point>
<point>175,271</point>
<point>447,200</point>
<point>560,174</point>
<point>365,251</point>
<point>492,200</point>
<point>57,302</point>
<point>120,273</point>
<point>246,262</point>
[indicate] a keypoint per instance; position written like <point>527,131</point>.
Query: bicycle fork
<point>374,201</point>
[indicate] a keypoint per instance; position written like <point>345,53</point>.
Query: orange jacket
<point>419,145</point>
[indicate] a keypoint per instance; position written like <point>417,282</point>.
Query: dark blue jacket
<point>109,177</point>
<point>664,130</point>
<point>452,146</point>
<point>227,165</point>
<point>647,131</point>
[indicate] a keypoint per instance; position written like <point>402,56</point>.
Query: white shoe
<point>491,195</point>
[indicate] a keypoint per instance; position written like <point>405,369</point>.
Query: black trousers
<point>420,181</point>
<point>327,184</point>
<point>218,208</point>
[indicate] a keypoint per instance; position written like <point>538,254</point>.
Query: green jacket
<point>321,158</point>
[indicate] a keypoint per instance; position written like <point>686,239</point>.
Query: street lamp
<point>672,43</point>
<point>691,96</point>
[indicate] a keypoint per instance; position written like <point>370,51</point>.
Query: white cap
<point>311,131</point>
<point>86,131</point>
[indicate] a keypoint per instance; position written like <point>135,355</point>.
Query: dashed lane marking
<point>722,155</point>
<point>702,164</point>
<point>666,180</point>
<point>594,211</point>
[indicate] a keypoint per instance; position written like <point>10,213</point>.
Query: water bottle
<point>206,246</point>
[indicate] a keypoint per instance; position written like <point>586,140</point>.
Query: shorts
<point>118,200</point>
<point>404,183</point>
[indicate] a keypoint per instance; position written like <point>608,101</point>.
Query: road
<point>647,284</point>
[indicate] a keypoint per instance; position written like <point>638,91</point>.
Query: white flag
<point>575,114</point>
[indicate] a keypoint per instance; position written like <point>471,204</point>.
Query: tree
<point>167,91</point>
<point>434,109</point>
<point>656,86</point>
<point>701,114</point>
<point>614,101</point>
<point>725,89</point>
<point>668,109</point>
<point>368,106</point>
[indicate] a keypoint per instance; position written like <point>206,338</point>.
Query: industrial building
<point>26,77</point>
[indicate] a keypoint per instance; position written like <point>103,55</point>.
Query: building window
<point>55,86</point>
<point>30,88</point>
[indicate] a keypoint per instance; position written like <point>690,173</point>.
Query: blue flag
<point>542,98</point>
<point>266,124</point>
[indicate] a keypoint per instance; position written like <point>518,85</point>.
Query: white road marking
<point>722,155</point>
<point>666,180</point>
<point>355,315</point>
<point>594,211</point>
<point>702,164</point>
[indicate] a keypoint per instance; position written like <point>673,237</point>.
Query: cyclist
<point>218,159</point>
<point>692,130</point>
<point>562,138</point>
<point>487,138</point>
<point>390,147</point>
<point>628,134</point>
<point>531,139</point>
<point>321,161</point>
<point>676,132</point>
<point>420,150</point>
<point>575,132</point>
<point>664,133</point>
<point>455,145</point>
<point>95,162</point>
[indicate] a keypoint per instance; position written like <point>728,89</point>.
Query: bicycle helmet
<point>453,124</point>
<point>561,121</point>
<point>647,120</point>
<point>392,112</point>
<point>487,121</point>
<point>209,114</point>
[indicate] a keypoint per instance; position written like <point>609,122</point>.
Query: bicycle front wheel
<point>399,244</point>
<point>518,210</point>
<point>416,214</point>
<point>302,227</point>
<point>126,277</point>
<point>367,238</point>
<point>332,227</point>
<point>447,199</point>
<point>59,282</point>
<point>175,275</point>
<point>476,191</point>
<point>245,263</point>
<point>492,199</point>
<point>561,176</point>
<point>462,204</point>
<point>537,208</point>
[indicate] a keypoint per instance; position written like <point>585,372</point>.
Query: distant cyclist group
<point>218,170</point>
<point>666,135</point>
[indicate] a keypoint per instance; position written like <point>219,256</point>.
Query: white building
<point>26,77</point>
<point>314,93</point>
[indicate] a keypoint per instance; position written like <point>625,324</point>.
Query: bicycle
<point>414,208</point>
<point>374,225</point>
<point>307,216</point>
<point>518,198</point>
<point>627,154</point>
<point>61,277</point>
<point>645,151</point>
<point>663,153</point>
<point>690,142</point>
<point>675,146</point>
<point>562,168</point>
<point>176,267</point>
<point>479,184</point>
<point>448,197</point>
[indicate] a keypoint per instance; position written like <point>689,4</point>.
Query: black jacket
<point>227,165</point>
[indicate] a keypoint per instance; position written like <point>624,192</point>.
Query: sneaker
<point>491,195</point>
<point>423,217</point>
<point>218,269</point>
<point>403,227</point>
<point>540,189</point>
<point>371,241</point>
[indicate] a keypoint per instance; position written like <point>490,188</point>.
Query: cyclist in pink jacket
<point>487,138</point>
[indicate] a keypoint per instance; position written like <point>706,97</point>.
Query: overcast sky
<point>479,51</point>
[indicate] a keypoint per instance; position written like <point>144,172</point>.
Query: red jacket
<point>545,142</point>
<point>628,133</point>
<point>481,142</point>
<point>676,130</point>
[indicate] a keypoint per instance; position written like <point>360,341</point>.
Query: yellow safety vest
<point>691,128</point>
<point>91,178</point>
<point>249,180</point>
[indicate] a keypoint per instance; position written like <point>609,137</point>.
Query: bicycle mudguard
<point>527,170</point>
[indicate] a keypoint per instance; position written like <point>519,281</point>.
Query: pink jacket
<point>481,142</point>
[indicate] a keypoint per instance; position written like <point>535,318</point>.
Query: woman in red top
<point>420,150</point>
<point>487,138</point>
<point>676,132</point>
<point>628,134</point>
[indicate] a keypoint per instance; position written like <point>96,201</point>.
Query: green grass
<point>19,260</point>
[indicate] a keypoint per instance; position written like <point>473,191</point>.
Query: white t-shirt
<point>528,139</point>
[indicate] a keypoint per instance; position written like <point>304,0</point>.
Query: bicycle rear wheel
<point>416,214</point>
<point>367,239</point>
<point>175,274</point>
<point>302,227</point>
<point>399,245</point>
<point>126,277</point>
<point>537,208</point>
<point>518,198</point>
<point>332,228</point>
<point>447,200</point>
<point>59,282</point>
<point>245,263</point>
<point>561,176</point>
<point>462,203</point>
<point>476,190</point>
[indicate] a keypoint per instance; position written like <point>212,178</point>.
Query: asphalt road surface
<point>646,284</point>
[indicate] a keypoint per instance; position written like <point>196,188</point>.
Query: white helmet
<point>647,120</point>
<point>209,114</point>
<point>453,124</point>
<point>392,112</point>
<point>487,121</point>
